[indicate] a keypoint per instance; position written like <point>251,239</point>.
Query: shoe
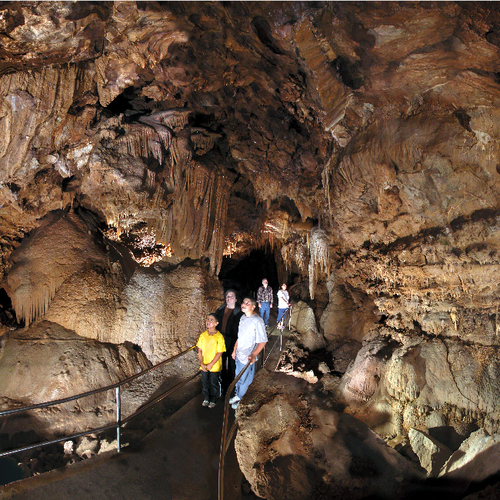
<point>205,403</point>
<point>235,405</point>
<point>211,405</point>
<point>234,399</point>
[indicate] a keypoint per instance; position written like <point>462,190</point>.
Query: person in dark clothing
<point>228,315</point>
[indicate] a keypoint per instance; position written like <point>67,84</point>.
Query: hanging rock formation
<point>357,142</point>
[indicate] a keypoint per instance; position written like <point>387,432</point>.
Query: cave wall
<point>356,142</point>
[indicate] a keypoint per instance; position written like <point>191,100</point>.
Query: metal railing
<point>119,421</point>
<point>226,436</point>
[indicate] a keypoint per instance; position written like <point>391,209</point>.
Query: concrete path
<point>178,460</point>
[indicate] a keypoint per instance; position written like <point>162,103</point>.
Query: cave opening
<point>7,313</point>
<point>245,275</point>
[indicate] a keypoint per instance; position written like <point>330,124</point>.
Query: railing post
<point>118,419</point>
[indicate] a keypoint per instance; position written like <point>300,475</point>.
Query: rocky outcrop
<point>64,274</point>
<point>431,453</point>
<point>475,460</point>
<point>425,385</point>
<point>292,445</point>
<point>47,362</point>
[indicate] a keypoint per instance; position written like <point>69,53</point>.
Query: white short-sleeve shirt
<point>251,331</point>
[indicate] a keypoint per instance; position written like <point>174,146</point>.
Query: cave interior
<point>155,154</point>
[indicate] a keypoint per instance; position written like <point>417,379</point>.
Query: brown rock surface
<point>356,142</point>
<point>47,362</point>
<point>290,445</point>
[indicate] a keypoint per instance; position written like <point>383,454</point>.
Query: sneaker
<point>211,405</point>
<point>234,399</point>
<point>235,405</point>
<point>205,403</point>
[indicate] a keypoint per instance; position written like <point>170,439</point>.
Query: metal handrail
<point>119,422</point>
<point>228,436</point>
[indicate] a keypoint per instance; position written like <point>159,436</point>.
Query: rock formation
<point>147,146</point>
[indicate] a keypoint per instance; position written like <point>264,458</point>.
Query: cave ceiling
<point>365,132</point>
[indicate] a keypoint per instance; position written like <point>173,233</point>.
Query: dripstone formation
<point>146,145</point>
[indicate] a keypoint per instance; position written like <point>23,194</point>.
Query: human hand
<point>233,355</point>
<point>252,358</point>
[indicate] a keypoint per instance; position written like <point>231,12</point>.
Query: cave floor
<point>178,460</point>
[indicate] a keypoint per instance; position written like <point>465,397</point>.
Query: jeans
<point>245,381</point>
<point>265,309</point>
<point>210,386</point>
<point>281,312</point>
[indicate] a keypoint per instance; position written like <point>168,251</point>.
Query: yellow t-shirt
<point>210,345</point>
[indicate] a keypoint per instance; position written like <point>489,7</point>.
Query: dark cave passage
<point>246,275</point>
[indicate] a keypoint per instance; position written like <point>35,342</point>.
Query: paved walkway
<point>176,461</point>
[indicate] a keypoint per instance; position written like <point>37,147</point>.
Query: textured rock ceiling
<point>352,135</point>
<point>359,141</point>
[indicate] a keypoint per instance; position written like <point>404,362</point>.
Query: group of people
<point>234,336</point>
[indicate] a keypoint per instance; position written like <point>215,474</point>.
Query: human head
<point>211,321</point>
<point>230,297</point>
<point>283,286</point>
<point>248,306</point>
<point>265,283</point>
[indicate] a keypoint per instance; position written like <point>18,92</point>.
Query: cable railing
<point>227,437</point>
<point>119,421</point>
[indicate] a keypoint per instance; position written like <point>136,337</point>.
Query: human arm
<point>260,297</point>
<point>212,363</point>
<point>233,355</point>
<point>200,358</point>
<point>255,352</point>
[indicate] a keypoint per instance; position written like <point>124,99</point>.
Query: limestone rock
<point>431,453</point>
<point>475,460</point>
<point>47,362</point>
<point>290,445</point>
<point>303,321</point>
<point>343,318</point>
<point>59,248</point>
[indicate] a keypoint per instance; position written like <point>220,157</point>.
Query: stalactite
<point>203,140</point>
<point>59,248</point>
<point>176,119</point>
<point>144,141</point>
<point>136,140</point>
<point>180,155</point>
<point>295,252</point>
<point>150,179</point>
<point>320,260</point>
<point>220,217</point>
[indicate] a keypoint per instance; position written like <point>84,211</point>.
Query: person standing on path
<point>228,315</point>
<point>283,301</point>
<point>210,348</point>
<point>252,338</point>
<point>265,300</point>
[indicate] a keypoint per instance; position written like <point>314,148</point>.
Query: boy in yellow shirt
<point>210,345</point>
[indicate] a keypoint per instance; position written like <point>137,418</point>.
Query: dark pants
<point>228,364</point>
<point>210,386</point>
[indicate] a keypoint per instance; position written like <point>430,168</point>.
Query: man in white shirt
<point>252,338</point>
